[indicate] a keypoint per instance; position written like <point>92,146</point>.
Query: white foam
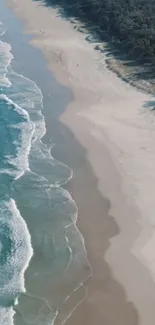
<point>31,99</point>
<point>17,252</point>
<point>20,110</point>
<point>27,128</point>
<point>6,316</point>
<point>5,60</point>
<point>2,29</point>
<point>20,250</point>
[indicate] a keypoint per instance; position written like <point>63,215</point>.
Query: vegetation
<point>129,24</point>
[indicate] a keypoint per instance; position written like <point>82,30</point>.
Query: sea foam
<point>25,128</point>
<point>5,60</point>
<point>2,29</point>
<point>16,252</point>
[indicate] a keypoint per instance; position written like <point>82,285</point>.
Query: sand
<point>114,174</point>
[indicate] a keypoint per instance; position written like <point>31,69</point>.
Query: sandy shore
<point>113,123</point>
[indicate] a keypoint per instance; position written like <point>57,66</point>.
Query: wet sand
<point>107,138</point>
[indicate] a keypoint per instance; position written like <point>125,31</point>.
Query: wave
<point>15,247</point>
<point>5,60</point>
<point>6,315</point>
<point>15,251</point>
<point>15,254</point>
<point>17,131</point>
<point>2,29</point>
<point>28,95</point>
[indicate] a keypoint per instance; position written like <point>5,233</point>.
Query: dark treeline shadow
<point>127,26</point>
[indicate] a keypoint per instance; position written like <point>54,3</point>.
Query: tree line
<point>129,24</point>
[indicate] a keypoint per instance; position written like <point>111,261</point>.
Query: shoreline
<point>90,129</point>
<point>70,284</point>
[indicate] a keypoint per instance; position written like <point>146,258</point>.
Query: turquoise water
<point>37,216</point>
<point>16,131</point>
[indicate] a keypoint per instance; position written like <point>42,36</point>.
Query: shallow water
<point>37,216</point>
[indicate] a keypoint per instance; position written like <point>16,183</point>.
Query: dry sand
<point>113,123</point>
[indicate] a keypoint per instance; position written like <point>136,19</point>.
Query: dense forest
<point>128,24</point>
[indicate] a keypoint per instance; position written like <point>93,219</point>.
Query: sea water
<point>37,217</point>
<point>16,131</point>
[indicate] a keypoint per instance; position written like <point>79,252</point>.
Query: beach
<point>106,136</point>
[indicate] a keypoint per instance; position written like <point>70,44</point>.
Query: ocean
<point>42,252</point>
